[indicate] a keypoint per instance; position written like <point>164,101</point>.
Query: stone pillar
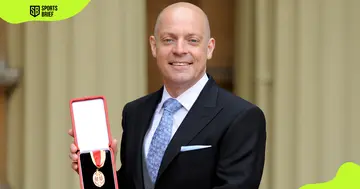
<point>306,73</point>
<point>8,79</point>
<point>100,51</point>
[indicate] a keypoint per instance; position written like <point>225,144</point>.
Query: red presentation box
<point>92,135</point>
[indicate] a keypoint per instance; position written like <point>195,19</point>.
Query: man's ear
<point>210,48</point>
<point>152,41</point>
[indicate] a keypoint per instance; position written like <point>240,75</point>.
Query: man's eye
<point>194,40</point>
<point>168,40</point>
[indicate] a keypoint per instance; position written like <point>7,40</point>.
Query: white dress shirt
<point>186,99</point>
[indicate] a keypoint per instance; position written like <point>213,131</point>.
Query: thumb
<point>114,146</point>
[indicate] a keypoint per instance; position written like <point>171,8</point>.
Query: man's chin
<point>180,80</point>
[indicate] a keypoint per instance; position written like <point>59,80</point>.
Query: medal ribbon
<point>97,158</point>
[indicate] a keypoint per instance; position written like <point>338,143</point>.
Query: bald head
<point>181,9</point>
<point>181,45</point>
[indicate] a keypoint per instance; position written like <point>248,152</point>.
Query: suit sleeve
<point>242,151</point>
<point>121,173</point>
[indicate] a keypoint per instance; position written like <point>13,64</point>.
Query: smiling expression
<point>182,45</point>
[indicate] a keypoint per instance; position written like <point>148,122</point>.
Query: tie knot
<point>172,105</point>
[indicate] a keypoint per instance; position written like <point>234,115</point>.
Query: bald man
<point>190,134</point>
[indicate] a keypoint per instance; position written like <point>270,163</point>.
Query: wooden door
<point>221,16</point>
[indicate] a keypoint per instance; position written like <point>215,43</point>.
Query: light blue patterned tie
<point>161,138</point>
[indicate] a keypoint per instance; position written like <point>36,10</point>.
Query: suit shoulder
<point>240,110</point>
<point>136,102</point>
<point>237,106</point>
<point>229,99</point>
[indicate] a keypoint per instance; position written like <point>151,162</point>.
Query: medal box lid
<point>90,123</point>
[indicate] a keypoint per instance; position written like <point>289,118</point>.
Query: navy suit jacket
<point>234,127</point>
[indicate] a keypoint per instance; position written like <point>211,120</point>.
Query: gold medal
<point>98,158</point>
<point>98,178</point>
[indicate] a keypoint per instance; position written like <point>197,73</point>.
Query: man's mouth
<point>180,63</point>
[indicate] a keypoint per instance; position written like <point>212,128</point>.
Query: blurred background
<point>299,60</point>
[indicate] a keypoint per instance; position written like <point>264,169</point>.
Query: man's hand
<point>73,151</point>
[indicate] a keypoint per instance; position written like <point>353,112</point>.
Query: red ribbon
<point>97,157</point>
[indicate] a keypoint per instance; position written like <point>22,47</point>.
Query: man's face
<point>182,46</point>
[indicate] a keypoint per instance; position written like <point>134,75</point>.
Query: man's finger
<point>73,148</point>
<point>74,157</point>
<point>114,145</point>
<point>71,133</point>
<point>74,166</point>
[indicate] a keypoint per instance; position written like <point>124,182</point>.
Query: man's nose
<point>180,48</point>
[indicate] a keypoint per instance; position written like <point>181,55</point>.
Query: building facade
<point>298,60</point>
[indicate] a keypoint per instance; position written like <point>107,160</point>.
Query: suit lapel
<point>145,114</point>
<point>201,113</point>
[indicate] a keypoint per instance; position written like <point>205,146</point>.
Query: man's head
<point>182,44</point>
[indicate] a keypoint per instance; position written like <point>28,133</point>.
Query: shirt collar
<point>188,98</point>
